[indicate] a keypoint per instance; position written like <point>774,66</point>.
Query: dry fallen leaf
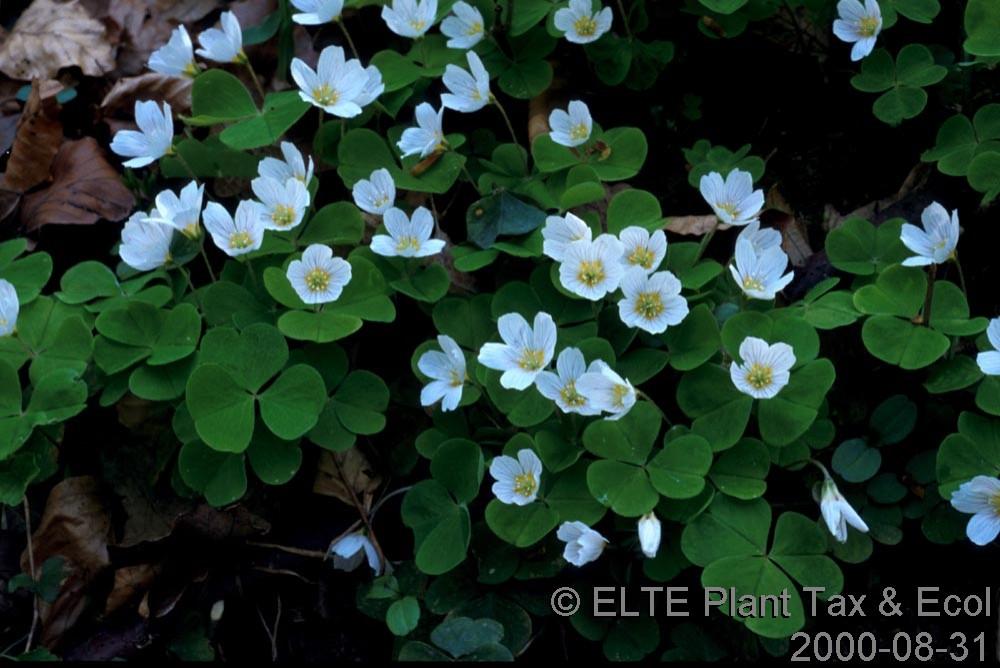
<point>339,474</point>
<point>693,225</point>
<point>794,237</point>
<point>539,108</point>
<point>85,188</point>
<point>39,135</point>
<point>149,86</point>
<point>51,35</point>
<point>75,526</point>
<point>130,581</point>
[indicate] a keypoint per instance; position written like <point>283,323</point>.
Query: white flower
<point>466,92</point>
<point>583,544</point>
<point>560,386</point>
<point>447,373</point>
<point>989,361</point>
<point>517,480</point>
<point>464,29</point>
<point>979,497</point>
<point>376,195</point>
<point>408,237</point>
<point>761,239</point>
<point>579,25</point>
<point>838,513</point>
<point>573,127</point>
<point>734,200</point>
<point>374,86</point>
<point>642,249</point>
<point>607,391</point>
<point>649,534</point>
<point>759,275</point>
<point>154,138</point>
<point>183,212</point>
<point>9,307</point>
<point>145,244</point>
<point>292,167</point>
<point>560,231</point>
<point>651,302</point>
<point>237,235</point>
<point>410,18</point>
<point>317,12</point>
<point>176,57</point>
<point>427,137</point>
<point>525,350</point>
<point>336,84</point>
<point>765,369</point>
<point>284,203</point>
<point>592,269</point>
<point>936,242</point>
<point>348,550</point>
<point>318,277</point>
<point>860,24</point>
<point>223,46</point>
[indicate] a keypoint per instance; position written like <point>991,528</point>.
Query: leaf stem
<point>513,135</point>
<point>347,36</point>
<point>256,81</point>
<point>961,276</point>
<point>705,240</point>
<point>34,578</point>
<point>925,314</point>
<point>628,30</point>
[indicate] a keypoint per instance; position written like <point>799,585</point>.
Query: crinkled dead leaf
<point>694,225</point>
<point>51,35</point>
<point>794,238</point>
<point>130,582</point>
<point>85,188</point>
<point>539,109</point>
<point>141,26</point>
<point>149,86</point>
<point>37,140</point>
<point>75,526</point>
<point>346,475</point>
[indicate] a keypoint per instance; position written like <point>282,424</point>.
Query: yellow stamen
<point>752,283</point>
<point>456,379</point>
<point>325,95</point>
<point>317,280</point>
<point>283,215</point>
<point>579,131</point>
<point>570,396</point>
<point>590,272</point>
<point>642,257</point>
<point>868,26</point>
<point>240,240</point>
<point>532,359</point>
<point>618,394</point>
<point>648,305</point>
<point>474,29</point>
<point>417,24</point>
<point>585,26</point>
<point>759,376</point>
<point>402,243</point>
<point>525,484</point>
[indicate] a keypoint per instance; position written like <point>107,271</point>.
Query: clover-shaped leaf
<point>858,247</point>
<point>903,82</point>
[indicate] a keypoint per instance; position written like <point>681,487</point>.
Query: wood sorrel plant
<point>592,387</point>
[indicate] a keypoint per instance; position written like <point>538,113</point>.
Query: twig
<point>272,636</point>
<point>283,571</point>
<point>360,509</point>
<point>34,579</point>
<point>302,552</point>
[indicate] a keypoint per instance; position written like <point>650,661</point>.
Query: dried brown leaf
<point>51,35</point>
<point>75,526</point>
<point>346,475</point>
<point>85,189</point>
<point>39,135</point>
<point>149,86</point>
<point>693,225</point>
<point>130,582</point>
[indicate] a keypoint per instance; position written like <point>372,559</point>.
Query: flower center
<point>524,484</point>
<point>381,201</point>
<point>642,257</point>
<point>532,359</point>
<point>325,94</point>
<point>648,305</point>
<point>585,26</point>
<point>868,26</point>
<point>474,29</point>
<point>283,215</point>
<point>590,272</point>
<point>759,376</point>
<point>240,240</point>
<point>317,280</point>
<point>418,24</point>
<point>456,379</point>
<point>191,231</point>
<point>728,208</point>
<point>191,69</point>
<point>402,243</point>
<point>618,394</point>
<point>752,283</point>
<point>579,131</point>
<point>570,396</point>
